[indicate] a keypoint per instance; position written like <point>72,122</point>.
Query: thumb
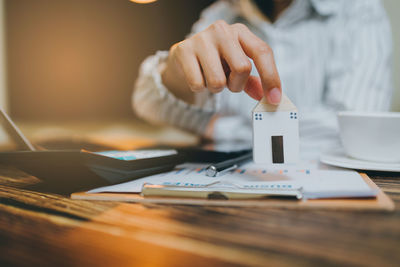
<point>274,95</point>
<point>254,89</point>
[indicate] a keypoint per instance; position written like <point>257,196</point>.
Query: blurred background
<point>75,59</point>
<point>393,9</point>
<point>67,68</point>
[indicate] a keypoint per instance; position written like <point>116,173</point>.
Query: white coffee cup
<point>371,136</point>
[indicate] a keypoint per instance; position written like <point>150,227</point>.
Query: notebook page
<point>315,180</point>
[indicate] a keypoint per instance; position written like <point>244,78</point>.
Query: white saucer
<point>339,159</point>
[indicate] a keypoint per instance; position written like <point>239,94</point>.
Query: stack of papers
<point>314,181</point>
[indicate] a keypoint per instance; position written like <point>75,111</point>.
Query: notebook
<point>314,181</point>
<point>380,203</point>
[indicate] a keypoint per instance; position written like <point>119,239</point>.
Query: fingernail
<point>275,96</point>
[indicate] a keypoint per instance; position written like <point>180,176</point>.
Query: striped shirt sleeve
<point>153,102</point>
<point>359,69</point>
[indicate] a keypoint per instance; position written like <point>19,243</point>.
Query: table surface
<point>38,228</point>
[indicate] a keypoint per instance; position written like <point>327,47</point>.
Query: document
<point>314,180</point>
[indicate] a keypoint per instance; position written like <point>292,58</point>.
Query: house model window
<point>276,132</point>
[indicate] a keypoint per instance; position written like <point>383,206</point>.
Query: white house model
<point>276,132</point>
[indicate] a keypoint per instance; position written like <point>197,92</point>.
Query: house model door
<point>277,149</point>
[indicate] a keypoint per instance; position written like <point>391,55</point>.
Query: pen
<point>228,165</point>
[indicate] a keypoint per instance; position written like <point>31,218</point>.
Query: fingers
<point>189,64</point>
<point>239,65</point>
<point>213,71</point>
<point>263,58</point>
<point>218,57</point>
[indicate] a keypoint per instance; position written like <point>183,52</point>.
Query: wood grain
<point>46,229</point>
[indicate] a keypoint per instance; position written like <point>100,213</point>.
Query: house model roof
<point>285,105</point>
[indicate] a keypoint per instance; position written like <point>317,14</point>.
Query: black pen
<point>228,165</point>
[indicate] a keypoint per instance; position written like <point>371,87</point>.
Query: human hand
<point>218,57</point>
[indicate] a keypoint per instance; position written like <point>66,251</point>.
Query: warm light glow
<point>143,1</point>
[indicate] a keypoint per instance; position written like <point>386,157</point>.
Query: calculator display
<point>137,154</point>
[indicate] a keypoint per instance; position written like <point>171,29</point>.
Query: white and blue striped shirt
<point>331,55</point>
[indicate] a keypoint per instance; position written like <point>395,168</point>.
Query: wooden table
<point>39,229</point>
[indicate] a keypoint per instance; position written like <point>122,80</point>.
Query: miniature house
<point>276,132</point>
